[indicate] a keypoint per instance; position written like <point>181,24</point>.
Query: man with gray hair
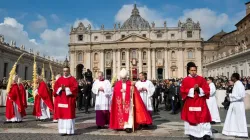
<point>102,89</point>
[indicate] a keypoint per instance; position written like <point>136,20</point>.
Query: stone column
<point>166,64</point>
<point>114,63</point>
<point>198,57</point>
<point>102,61</point>
<point>140,60</point>
<point>180,63</point>
<point>149,64</point>
<point>88,60</point>
<point>127,60</point>
<point>153,64</point>
<point>118,60</point>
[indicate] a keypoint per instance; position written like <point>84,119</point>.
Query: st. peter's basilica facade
<point>161,52</point>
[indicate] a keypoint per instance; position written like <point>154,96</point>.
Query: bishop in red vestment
<point>43,104</point>
<point>65,92</point>
<point>122,114</point>
<point>14,106</point>
<point>195,113</point>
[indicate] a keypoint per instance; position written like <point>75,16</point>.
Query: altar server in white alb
<point>236,123</point>
<point>146,89</point>
<point>212,103</point>
<point>102,89</point>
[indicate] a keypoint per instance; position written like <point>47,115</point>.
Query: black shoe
<point>157,110</point>
<point>99,127</point>
<point>87,112</point>
<point>191,137</point>
<point>206,137</point>
<point>128,130</point>
<point>63,134</point>
<point>212,122</point>
<point>214,131</point>
<point>6,122</point>
<point>172,113</point>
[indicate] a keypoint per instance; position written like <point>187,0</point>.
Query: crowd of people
<point>123,104</point>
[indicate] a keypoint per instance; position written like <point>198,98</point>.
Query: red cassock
<point>120,115</point>
<point>43,93</point>
<point>194,117</point>
<point>65,108</point>
<point>23,94</point>
<point>14,96</point>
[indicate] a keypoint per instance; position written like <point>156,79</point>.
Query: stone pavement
<point>165,126</point>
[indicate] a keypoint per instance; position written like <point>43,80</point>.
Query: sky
<point>44,25</point>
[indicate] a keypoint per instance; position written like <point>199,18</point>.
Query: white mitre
<point>19,81</point>
<point>58,76</point>
<point>123,73</point>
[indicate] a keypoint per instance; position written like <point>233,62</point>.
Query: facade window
<point>123,55</point>
<point>159,54</point>
<point>108,37</point>
<point>25,73</point>
<point>79,57</point>
<point>95,56</point>
<point>123,64</point>
<point>159,35</point>
<point>5,70</point>
<point>172,36</point>
<point>108,55</point>
<point>189,34</point>
<point>122,36</point>
<point>173,54</point>
<point>144,55</point>
<point>17,69</point>
<point>80,37</point>
<point>134,54</point>
<point>39,71</point>
<point>144,35</point>
<point>96,38</point>
<point>45,74</point>
<point>144,64</point>
<point>190,54</point>
<point>241,72</point>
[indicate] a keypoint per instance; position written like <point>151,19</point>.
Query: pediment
<point>134,38</point>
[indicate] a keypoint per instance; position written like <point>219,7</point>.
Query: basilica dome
<point>135,21</point>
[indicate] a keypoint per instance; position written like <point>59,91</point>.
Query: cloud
<point>12,30</point>
<point>85,22</point>
<point>56,40</point>
<point>148,14</point>
<point>39,24</point>
<point>55,18</point>
<point>51,42</point>
<point>210,21</point>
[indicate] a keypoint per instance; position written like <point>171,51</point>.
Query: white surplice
<point>146,95</point>
<point>212,104</point>
<point>236,123</point>
<point>128,124</point>
<point>102,97</point>
<point>18,117</point>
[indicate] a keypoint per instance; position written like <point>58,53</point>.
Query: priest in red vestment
<point>65,93</point>
<point>195,113</point>
<point>122,114</point>
<point>14,106</point>
<point>43,104</point>
<point>22,92</point>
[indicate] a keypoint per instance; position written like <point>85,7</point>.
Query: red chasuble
<point>65,108</point>
<point>43,93</point>
<point>119,113</point>
<point>195,109</point>
<point>23,94</point>
<point>14,96</point>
